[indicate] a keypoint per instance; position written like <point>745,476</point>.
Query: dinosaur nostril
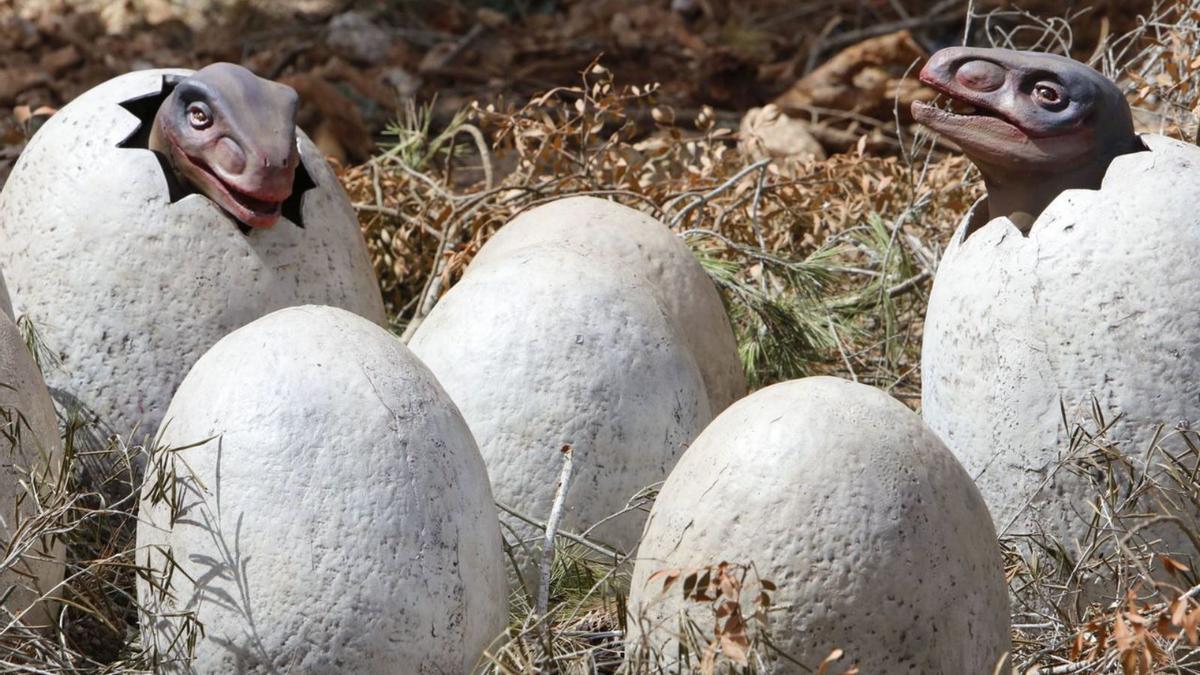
<point>979,75</point>
<point>229,156</point>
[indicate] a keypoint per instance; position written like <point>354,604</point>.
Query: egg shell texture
<point>129,288</point>
<point>548,348</point>
<point>874,535</point>
<point>1095,301</point>
<point>339,521</point>
<point>30,443</point>
<point>647,249</point>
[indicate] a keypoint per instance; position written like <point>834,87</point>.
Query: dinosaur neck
<point>1021,196</point>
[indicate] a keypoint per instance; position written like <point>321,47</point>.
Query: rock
<point>874,535</point>
<point>767,133</point>
<point>598,228</point>
<point>357,37</point>
<point>339,521</point>
<point>129,282</point>
<point>31,445</point>
<point>1093,303</point>
<point>547,348</point>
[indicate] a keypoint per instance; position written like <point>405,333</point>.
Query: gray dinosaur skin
<point>231,135</point>
<point>1036,124</point>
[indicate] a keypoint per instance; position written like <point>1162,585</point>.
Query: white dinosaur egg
<point>340,517</point>
<point>31,447</point>
<point>874,536</point>
<point>1097,301</point>
<point>548,348</point>
<point>130,283</point>
<point>645,248</point>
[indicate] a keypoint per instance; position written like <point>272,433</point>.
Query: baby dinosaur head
<point>231,135</point>
<point>1035,124</point>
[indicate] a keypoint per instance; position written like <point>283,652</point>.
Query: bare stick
<point>560,496</point>
<point>569,536</point>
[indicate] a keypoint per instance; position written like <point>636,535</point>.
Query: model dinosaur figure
<point>231,135</point>
<point>1034,124</point>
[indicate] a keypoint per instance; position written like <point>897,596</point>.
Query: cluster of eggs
<point>334,490</point>
<point>337,489</point>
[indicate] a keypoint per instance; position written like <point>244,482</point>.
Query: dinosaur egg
<point>548,348</point>
<point>874,537</point>
<point>1095,304</point>
<point>333,513</point>
<point>647,249</point>
<point>130,278</point>
<point>32,454</point>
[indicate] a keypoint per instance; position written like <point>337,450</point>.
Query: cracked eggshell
<point>30,443</point>
<point>875,537</point>
<point>646,248</point>
<point>547,348</point>
<point>1096,301</point>
<point>6,300</point>
<point>129,288</point>
<point>340,519</point>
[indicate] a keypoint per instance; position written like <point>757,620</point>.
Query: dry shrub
<point>91,510</point>
<point>816,276</point>
<point>722,627</point>
<point>1112,602</point>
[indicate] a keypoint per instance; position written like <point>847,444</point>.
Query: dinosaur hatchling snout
<point>968,67</point>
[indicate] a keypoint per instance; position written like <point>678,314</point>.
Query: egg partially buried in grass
<point>32,458</point>
<point>872,535</point>
<point>331,512</point>
<point>1027,338</point>
<point>130,276</point>
<point>548,348</point>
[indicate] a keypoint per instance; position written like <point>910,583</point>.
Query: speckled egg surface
<point>646,249</point>
<point>550,348</point>
<point>1094,304</point>
<point>31,446</point>
<point>130,283</point>
<point>340,517</point>
<point>875,537</point>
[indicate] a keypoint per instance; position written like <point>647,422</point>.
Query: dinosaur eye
<point>199,115</point>
<point>1049,95</point>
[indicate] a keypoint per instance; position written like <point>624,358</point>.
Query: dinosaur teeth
<point>962,107</point>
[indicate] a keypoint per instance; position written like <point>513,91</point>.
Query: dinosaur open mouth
<point>961,110</point>
<point>253,210</point>
<point>250,202</point>
<point>962,113</point>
